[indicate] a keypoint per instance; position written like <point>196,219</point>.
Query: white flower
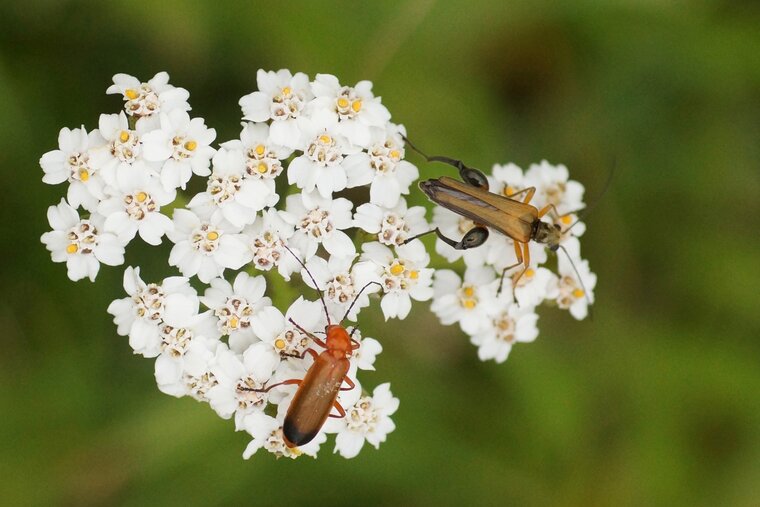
<point>231,194</point>
<point>146,100</point>
<point>335,278</point>
<point>392,226</point>
<point>281,98</point>
<point>186,350</point>
<point>383,167</point>
<point>364,356</point>
<point>196,376</point>
<point>238,379</point>
<point>320,221</point>
<point>123,146</point>
<point>148,306</point>
<point>403,275</point>
<point>263,159</point>
<point>284,337</point>
<point>82,244</point>
<point>507,179</point>
<point>326,154</point>
<point>508,324</point>
<point>266,238</point>
<point>466,302</point>
<point>356,107</point>
<point>534,286</point>
<point>136,204</point>
<point>553,187</point>
<point>240,308</point>
<point>267,433</point>
<point>206,246</point>
<point>181,146</point>
<point>575,295</point>
<point>74,162</point>
<point>368,419</point>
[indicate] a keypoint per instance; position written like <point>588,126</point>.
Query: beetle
<point>517,219</point>
<point>317,392</point>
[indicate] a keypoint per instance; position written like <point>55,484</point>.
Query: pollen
<point>191,145</point>
<point>414,274</point>
<point>124,136</point>
<point>356,105</point>
<point>279,343</point>
<point>262,167</point>
<point>342,102</point>
<point>469,303</point>
<point>286,91</point>
<point>72,248</point>
<point>141,196</point>
<point>468,291</point>
<point>578,293</point>
<point>397,269</point>
<point>508,191</point>
<point>529,273</point>
<point>84,175</point>
<point>131,94</point>
<point>234,322</point>
<point>566,219</point>
<point>324,138</point>
<point>260,149</point>
<point>394,154</point>
<point>212,236</point>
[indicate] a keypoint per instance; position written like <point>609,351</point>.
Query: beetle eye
<point>556,226</point>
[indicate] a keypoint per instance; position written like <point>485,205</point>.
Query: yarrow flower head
<point>274,202</point>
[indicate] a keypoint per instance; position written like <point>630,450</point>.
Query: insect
<point>515,218</point>
<point>318,390</point>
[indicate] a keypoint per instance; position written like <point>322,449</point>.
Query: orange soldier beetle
<point>318,390</point>
<point>507,215</point>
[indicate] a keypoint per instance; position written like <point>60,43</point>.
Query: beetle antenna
<point>316,286</point>
<point>580,280</point>
<point>606,187</point>
<point>357,297</point>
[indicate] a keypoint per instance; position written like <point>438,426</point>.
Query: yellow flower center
<point>529,273</point>
<point>260,149</point>
<point>394,154</point>
<point>286,91</point>
<point>72,248</point>
<point>508,191</point>
<point>397,269</point>
<point>469,303</point>
<point>279,343</point>
<point>414,275</point>
<point>468,291</point>
<point>131,94</point>
<point>342,102</point>
<point>566,219</point>
<point>124,136</point>
<point>84,175</point>
<point>191,145</point>
<point>262,167</point>
<point>141,196</point>
<point>234,321</point>
<point>212,236</point>
<point>356,105</point>
<point>578,293</point>
<point>324,138</point>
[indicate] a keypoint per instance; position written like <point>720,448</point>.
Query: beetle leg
<point>311,352</point>
<point>518,253</point>
<point>339,408</point>
<point>526,263</point>
<point>470,175</point>
<point>310,335</point>
<point>296,381</point>
<point>531,191</point>
<point>474,237</point>
<point>350,383</point>
<point>354,344</point>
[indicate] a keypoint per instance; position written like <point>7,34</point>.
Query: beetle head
<point>548,234</point>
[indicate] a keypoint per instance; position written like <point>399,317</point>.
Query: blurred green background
<point>654,402</point>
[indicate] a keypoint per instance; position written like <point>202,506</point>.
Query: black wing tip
<point>295,437</point>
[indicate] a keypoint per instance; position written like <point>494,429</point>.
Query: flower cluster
<point>498,312</point>
<point>226,344</point>
<point>212,330</point>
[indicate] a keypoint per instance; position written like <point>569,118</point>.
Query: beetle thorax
<point>338,339</point>
<point>548,234</point>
